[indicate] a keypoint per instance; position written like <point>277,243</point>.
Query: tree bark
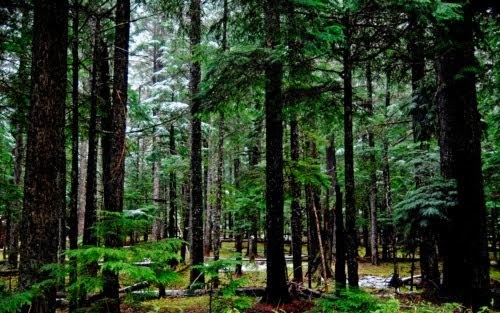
<point>44,193</point>
<point>373,172</point>
<point>113,148</point>
<point>296,221</point>
<point>196,212</point>
<point>340,253</point>
<point>350,229</point>
<point>466,263</point>
<point>276,287</point>
<point>422,133</point>
<point>239,231</point>
<point>75,172</point>
<point>172,214</point>
<point>99,94</point>
<point>219,185</point>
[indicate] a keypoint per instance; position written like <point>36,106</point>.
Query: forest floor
<point>373,280</point>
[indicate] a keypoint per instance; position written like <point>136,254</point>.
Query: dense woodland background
<point>344,131</point>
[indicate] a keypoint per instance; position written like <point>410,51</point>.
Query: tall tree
<point>99,81</point>
<point>340,256</point>
<point>44,193</point>
<point>172,213</point>
<point>276,289</point>
<point>296,219</point>
<point>113,148</point>
<point>350,227</point>
<point>196,212</point>
<point>75,172</point>
<point>466,264</point>
<point>422,133</point>
<point>372,167</point>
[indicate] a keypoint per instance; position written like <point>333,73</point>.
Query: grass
<point>183,304</point>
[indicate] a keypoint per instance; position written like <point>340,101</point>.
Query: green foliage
<point>225,299</point>
<point>425,209</point>
<point>347,301</point>
<point>11,302</point>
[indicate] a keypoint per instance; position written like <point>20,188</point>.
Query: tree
<point>196,212</point>
<point>350,226</point>
<point>466,265</point>
<point>276,289</point>
<point>113,147</point>
<point>44,194</point>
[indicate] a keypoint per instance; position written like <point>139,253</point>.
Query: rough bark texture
<point>276,288</point>
<point>113,148</point>
<point>466,265</point>
<point>44,193</point>
<point>196,212</point>
<point>296,221</point>
<point>350,229</point>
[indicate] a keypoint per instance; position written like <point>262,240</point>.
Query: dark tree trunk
<point>172,214</point>
<point>350,229</point>
<point>340,256</point>
<point>422,133</point>
<point>100,96</point>
<point>75,171</point>
<point>239,231</point>
<point>207,188</point>
<point>388,231</point>
<point>296,221</point>
<point>218,196</point>
<point>196,214</point>
<point>466,264</point>
<point>113,148</point>
<point>372,167</point>
<point>185,218</point>
<point>276,288</point>
<point>44,193</point>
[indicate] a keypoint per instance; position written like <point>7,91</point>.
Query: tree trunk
<point>207,195</point>
<point>99,97</point>
<point>372,167</point>
<point>239,231</point>
<point>186,234</point>
<point>113,148</point>
<point>350,229</point>
<point>388,232</point>
<point>196,214</point>
<point>466,264</point>
<point>276,288</point>
<point>75,173</point>
<point>172,214</point>
<point>44,193</point>
<point>296,221</point>
<point>340,251</point>
<point>422,133</point>
<point>219,185</point>
<point>158,226</point>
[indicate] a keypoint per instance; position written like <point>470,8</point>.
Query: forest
<point>249,156</point>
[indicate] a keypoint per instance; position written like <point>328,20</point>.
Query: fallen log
<point>7,273</point>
